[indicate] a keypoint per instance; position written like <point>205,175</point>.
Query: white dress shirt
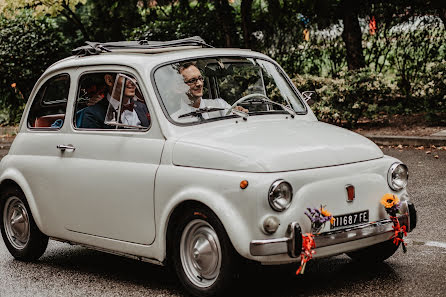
<point>127,117</point>
<point>186,108</point>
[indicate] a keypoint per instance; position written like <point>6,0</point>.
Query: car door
<point>35,152</point>
<point>109,172</point>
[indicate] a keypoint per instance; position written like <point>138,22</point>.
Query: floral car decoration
<point>319,216</point>
<point>176,153</point>
<point>392,205</point>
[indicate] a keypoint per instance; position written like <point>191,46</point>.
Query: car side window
<point>110,100</point>
<point>50,104</point>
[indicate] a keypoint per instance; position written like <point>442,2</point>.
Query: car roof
<point>140,61</point>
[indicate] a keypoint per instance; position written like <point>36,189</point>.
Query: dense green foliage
<point>351,96</point>
<point>367,94</point>
<point>431,90</point>
<point>27,46</point>
<point>404,60</point>
<point>172,22</point>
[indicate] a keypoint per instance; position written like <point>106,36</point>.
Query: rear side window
<point>110,101</point>
<point>50,104</point>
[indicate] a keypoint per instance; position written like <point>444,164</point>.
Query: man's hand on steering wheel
<point>241,109</point>
<point>244,98</point>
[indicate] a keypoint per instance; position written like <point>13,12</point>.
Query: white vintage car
<point>181,154</point>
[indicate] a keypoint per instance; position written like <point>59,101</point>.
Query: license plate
<point>350,219</point>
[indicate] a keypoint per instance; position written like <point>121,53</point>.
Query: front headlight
<point>397,176</point>
<point>280,195</point>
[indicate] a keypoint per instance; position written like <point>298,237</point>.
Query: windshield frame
<point>233,116</point>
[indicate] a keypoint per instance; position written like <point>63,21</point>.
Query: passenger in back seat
<point>133,112</point>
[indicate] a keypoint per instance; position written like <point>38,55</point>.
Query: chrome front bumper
<point>291,244</point>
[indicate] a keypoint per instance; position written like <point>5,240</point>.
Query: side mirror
<point>309,97</point>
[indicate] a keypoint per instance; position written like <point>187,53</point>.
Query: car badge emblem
<point>350,193</point>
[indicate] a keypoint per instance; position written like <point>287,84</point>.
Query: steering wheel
<point>244,98</point>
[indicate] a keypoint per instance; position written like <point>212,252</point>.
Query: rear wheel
<point>375,253</point>
<point>203,256</point>
<point>20,233</point>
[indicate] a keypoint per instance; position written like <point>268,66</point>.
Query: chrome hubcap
<point>16,222</point>
<point>200,253</point>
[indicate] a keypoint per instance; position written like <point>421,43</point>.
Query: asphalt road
<point>66,270</point>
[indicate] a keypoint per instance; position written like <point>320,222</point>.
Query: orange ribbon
<point>308,246</point>
<point>399,233</point>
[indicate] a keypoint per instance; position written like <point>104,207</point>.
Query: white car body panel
<point>272,145</point>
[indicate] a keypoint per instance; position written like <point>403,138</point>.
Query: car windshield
<point>208,89</point>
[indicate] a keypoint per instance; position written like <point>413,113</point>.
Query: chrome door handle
<point>64,147</point>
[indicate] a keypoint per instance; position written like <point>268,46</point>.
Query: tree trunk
<point>184,4</point>
<point>442,15</point>
<point>72,17</point>
<point>246,12</point>
<point>274,7</point>
<point>226,21</point>
<point>352,35</point>
<point>440,8</point>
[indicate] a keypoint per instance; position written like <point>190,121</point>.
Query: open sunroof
<point>141,46</point>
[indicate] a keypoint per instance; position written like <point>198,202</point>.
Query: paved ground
<point>66,270</point>
<point>441,133</point>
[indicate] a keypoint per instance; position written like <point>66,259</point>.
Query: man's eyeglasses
<point>193,81</point>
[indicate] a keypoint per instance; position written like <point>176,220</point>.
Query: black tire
<point>202,274</point>
<point>21,235</point>
<point>376,253</point>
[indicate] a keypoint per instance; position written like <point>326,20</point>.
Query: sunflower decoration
<point>391,203</point>
<point>327,214</point>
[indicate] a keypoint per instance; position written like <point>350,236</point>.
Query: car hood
<point>272,146</point>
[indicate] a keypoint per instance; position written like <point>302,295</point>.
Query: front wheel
<point>20,233</point>
<point>203,256</point>
<point>375,253</point>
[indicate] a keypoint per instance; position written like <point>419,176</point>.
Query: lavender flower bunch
<point>316,216</point>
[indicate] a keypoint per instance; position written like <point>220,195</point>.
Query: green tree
<point>329,12</point>
<point>27,46</point>
<point>67,8</point>
<point>171,19</point>
<point>110,20</point>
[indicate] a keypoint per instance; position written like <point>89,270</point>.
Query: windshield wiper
<point>198,113</point>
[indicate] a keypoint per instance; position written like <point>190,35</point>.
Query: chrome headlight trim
<point>392,178</point>
<point>280,201</point>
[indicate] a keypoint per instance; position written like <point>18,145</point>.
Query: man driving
<point>194,80</point>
